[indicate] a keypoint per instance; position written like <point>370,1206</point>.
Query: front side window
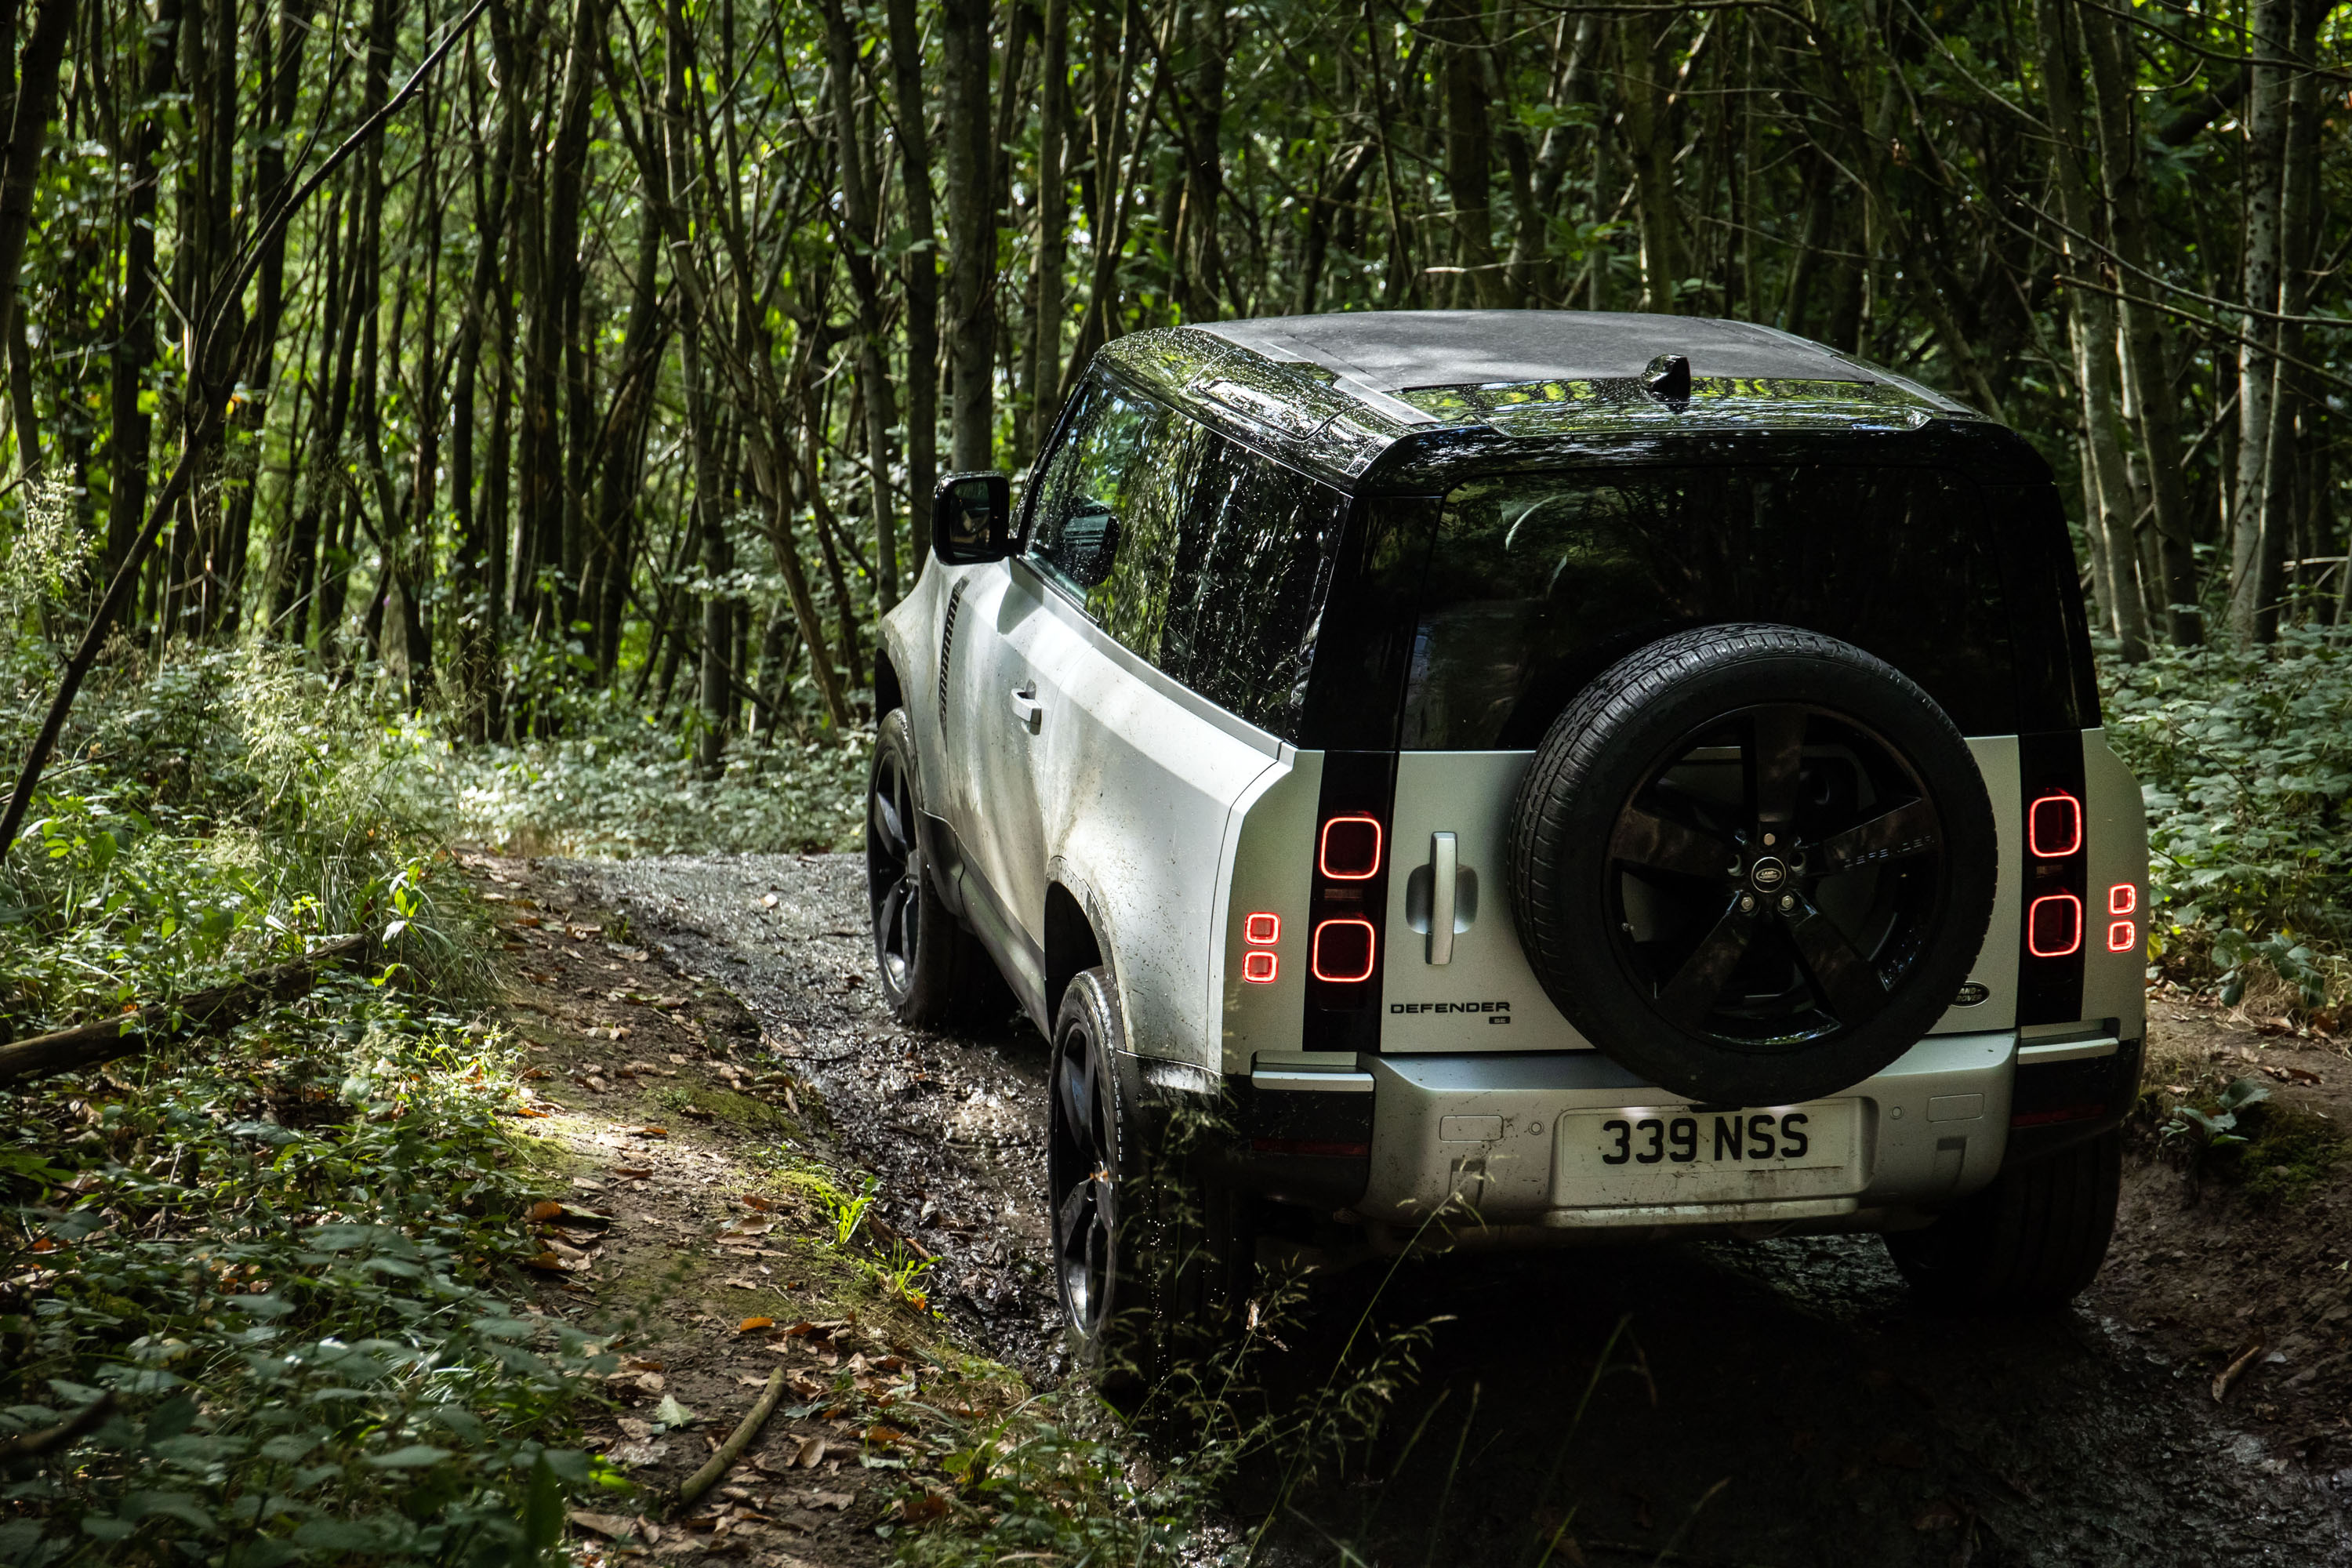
<point>1109,504</point>
<point>1198,554</point>
<point>1536,583</point>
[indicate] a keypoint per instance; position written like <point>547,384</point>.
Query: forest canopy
<point>623,346</point>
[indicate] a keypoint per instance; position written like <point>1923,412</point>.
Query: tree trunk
<point>131,425</point>
<point>923,274</point>
<point>2091,331</point>
<point>1650,149</point>
<point>1052,224</point>
<point>860,231</point>
<point>36,101</point>
<point>1469,151</point>
<point>972,233</point>
<point>2252,589</point>
<point>2107,43</point>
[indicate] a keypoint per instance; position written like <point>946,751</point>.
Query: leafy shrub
<point>2245,759</point>
<point>282,1260</point>
<point>627,789</point>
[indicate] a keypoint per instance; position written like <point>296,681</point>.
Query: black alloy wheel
<point>1753,864</point>
<point>932,970</point>
<point>1083,1159</point>
<point>894,870</point>
<point>1770,916</point>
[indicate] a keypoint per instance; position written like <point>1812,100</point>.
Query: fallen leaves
<point>648,1131</point>
<point>612,1526</point>
<point>752,1325</point>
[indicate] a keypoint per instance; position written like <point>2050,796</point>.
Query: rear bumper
<point>1399,1139</point>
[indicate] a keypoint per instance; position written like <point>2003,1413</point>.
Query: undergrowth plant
<point>2245,759</point>
<point>266,1284</point>
<point>287,1264</point>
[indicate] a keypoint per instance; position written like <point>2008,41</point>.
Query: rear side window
<point>1536,583</point>
<point>1252,567</point>
<point>1198,554</point>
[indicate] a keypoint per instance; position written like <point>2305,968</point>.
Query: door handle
<point>1026,708</point>
<point>1444,874</point>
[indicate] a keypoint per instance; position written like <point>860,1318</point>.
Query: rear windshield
<point>1536,583</point>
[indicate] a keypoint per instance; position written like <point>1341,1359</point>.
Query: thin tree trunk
<point>2252,597</point>
<point>36,103</point>
<point>923,275</point>
<point>2090,333</point>
<point>861,231</point>
<point>972,233</point>
<point>1052,224</point>
<point>2107,43</point>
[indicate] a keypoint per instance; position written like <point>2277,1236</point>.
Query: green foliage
<point>283,1258</point>
<point>2214,1125</point>
<point>2245,758</point>
<point>288,1255</point>
<point>210,813</point>
<point>626,788</point>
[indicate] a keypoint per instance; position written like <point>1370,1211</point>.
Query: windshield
<point>1536,583</point>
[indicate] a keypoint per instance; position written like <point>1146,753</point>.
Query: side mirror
<point>972,519</point>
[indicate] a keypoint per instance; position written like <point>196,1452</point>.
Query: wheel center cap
<point>1768,874</point>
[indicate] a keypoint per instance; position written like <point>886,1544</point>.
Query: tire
<point>1151,1259</point>
<point>932,970</point>
<point>2029,1242</point>
<point>1768,934</point>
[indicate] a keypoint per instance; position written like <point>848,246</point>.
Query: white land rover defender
<point>1532,777</point>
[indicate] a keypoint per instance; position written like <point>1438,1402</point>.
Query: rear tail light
<point>1350,851</point>
<point>2054,925</point>
<point>2053,825</point>
<point>1342,951</point>
<point>1259,968</point>
<point>2122,898</point>
<point>2122,936</point>
<point>1262,929</point>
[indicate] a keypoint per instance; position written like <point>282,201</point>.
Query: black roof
<point>1339,394</point>
<point>1395,351</point>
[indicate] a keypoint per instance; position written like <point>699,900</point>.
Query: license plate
<point>1673,1154</point>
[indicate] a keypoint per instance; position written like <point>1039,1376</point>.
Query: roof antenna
<point>1668,378</point>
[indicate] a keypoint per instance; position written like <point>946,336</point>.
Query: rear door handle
<point>1444,868</point>
<point>1027,709</point>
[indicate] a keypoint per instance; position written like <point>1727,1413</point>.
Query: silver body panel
<point>1166,820</point>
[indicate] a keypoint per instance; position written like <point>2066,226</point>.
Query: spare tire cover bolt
<point>1747,903</point>
<point>1788,901</point>
<point>1769,840</point>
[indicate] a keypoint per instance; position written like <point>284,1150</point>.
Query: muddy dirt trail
<point>1774,1405</point>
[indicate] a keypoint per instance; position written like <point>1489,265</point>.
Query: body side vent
<point>947,652</point>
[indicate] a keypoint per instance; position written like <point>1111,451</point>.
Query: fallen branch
<point>2228,1375</point>
<point>733,1449</point>
<point>24,1445</point>
<point>218,1006</point>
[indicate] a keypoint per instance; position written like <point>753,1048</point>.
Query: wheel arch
<point>889,690</point>
<point>1073,940</point>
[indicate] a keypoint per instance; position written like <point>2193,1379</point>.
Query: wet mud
<point>1770,1405</point>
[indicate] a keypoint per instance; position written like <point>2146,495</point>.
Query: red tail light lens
<point>2122,898</point>
<point>1259,968</point>
<point>2053,825</point>
<point>1262,929</point>
<point>1350,850</point>
<point>2053,926</point>
<point>1343,951</point>
<point>2122,936</point>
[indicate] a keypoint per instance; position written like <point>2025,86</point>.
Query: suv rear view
<point>1509,779</point>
